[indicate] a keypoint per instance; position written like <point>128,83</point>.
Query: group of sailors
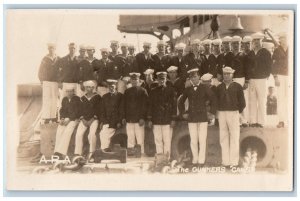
<point>220,81</point>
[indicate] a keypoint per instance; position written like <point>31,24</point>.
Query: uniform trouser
<point>162,138</point>
<point>229,137</point>
<point>257,100</point>
<point>91,137</point>
<point>105,135</point>
<point>198,134</point>
<point>244,116</point>
<point>102,90</point>
<point>282,94</point>
<point>63,136</point>
<point>135,132</point>
<point>50,98</point>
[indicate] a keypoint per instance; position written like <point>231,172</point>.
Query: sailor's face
<point>179,52</point>
<point>216,49</point>
<point>172,74</point>
<point>247,46</point>
<point>207,48</point>
<point>124,49</point>
<point>196,47</point>
<point>112,87</point>
<point>161,81</point>
<point>134,81</point>
<point>90,52</point>
<point>146,48</point>
<point>72,49</point>
<point>195,78</point>
<point>70,93</point>
<point>257,43</point>
<point>226,46</point>
<point>89,89</point>
<point>131,51</point>
<point>82,52</point>
<point>161,48</point>
<point>149,77</point>
<point>235,46</point>
<point>104,55</point>
<point>227,76</point>
<point>51,50</point>
<point>114,47</point>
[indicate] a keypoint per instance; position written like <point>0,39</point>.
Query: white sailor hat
<point>131,46</point>
<point>72,44</point>
<point>51,44</point>
<point>161,42</point>
<point>196,41</point>
<point>236,39</point>
<point>217,41</point>
<point>194,70</point>
<point>90,47</point>
<point>247,39</point>
<point>69,87</point>
<point>149,71</point>
<point>258,35</point>
<point>206,77</point>
<point>111,81</point>
<point>228,69</point>
<point>82,47</point>
<point>161,74</point>
<point>207,42</point>
<point>226,39</point>
<point>104,49</point>
<point>134,75</point>
<point>114,42</point>
<point>123,45</point>
<point>89,83</point>
<point>267,45</point>
<point>172,68</point>
<point>147,44</point>
<point>180,46</point>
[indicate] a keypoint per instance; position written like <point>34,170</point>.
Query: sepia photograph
<point>149,99</point>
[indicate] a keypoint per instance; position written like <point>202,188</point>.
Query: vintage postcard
<point>149,100</point>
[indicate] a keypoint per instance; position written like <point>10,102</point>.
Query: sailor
<point>149,82</point>
<point>240,74</point>
<point>131,49</point>
<point>179,61</point>
<point>114,45</point>
<point>258,75</point>
<point>111,113</point>
<point>207,47</point>
<point>122,63</point>
<point>231,102</point>
<point>162,61</point>
<point>194,58</point>
<point>132,65</point>
<point>87,68</point>
<point>280,73</point>
<point>144,59</point>
<point>103,65</point>
<point>215,61</point>
<point>196,115</point>
<point>135,104</point>
<point>161,114</point>
<point>82,53</point>
<point>48,77</point>
<point>206,79</point>
<point>90,112</point>
<point>69,118</point>
<point>227,54</point>
<point>174,81</point>
<point>68,70</point>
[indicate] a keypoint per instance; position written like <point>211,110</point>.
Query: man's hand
<point>124,122</point>
<point>185,116</point>
<point>173,124</point>
<point>150,124</point>
<point>277,82</point>
<point>60,85</point>
<point>66,121</point>
<point>141,122</point>
<point>119,125</point>
<point>245,85</point>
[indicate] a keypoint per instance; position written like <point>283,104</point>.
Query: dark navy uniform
<point>182,65</point>
<point>86,70</point>
<point>68,70</point>
<point>178,85</point>
<point>144,63</point>
<point>199,62</point>
<point>90,107</point>
<point>262,64</point>
<point>149,87</point>
<point>162,63</point>
<point>48,70</point>
<point>70,108</point>
<point>130,66</point>
<point>280,61</point>
<point>215,64</point>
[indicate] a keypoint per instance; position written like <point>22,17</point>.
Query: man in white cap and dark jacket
<point>135,105</point>
<point>48,76</point>
<point>259,72</point>
<point>69,117</point>
<point>162,113</point>
<point>90,109</point>
<point>162,61</point>
<point>197,95</point>
<point>231,102</point>
<point>145,59</point>
<point>111,113</point>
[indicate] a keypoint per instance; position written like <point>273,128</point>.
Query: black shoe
<point>59,155</point>
<point>259,126</point>
<point>253,125</point>
<point>280,124</point>
<point>244,125</point>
